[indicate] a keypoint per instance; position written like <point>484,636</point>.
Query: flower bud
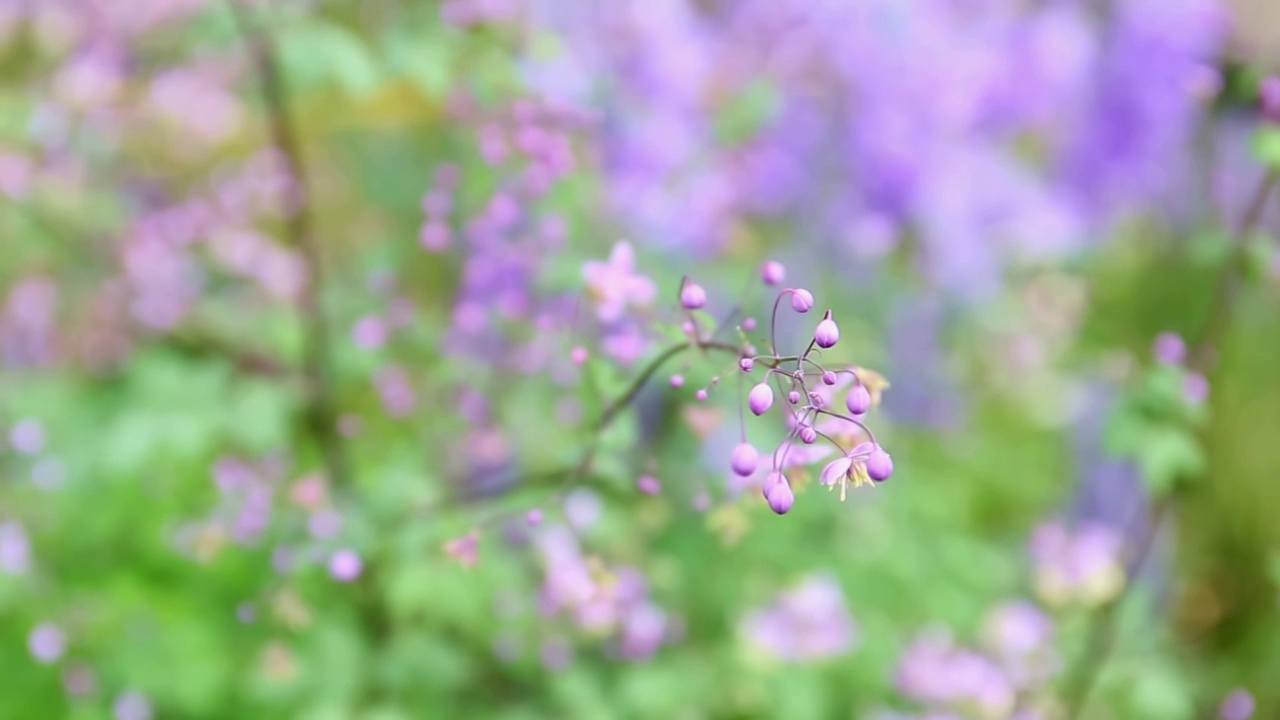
<point>879,465</point>
<point>793,397</point>
<point>692,296</point>
<point>677,381</point>
<point>780,497</point>
<point>744,459</point>
<point>760,399</point>
<point>747,364</point>
<point>648,485</point>
<point>828,378</point>
<point>773,478</point>
<point>858,400</point>
<point>808,435</point>
<point>773,273</point>
<point>700,395</point>
<point>801,300</point>
<point>828,333</point>
<point>749,324</point>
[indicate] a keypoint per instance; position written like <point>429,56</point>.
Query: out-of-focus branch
<point>317,366</point>
<point>1101,638</point>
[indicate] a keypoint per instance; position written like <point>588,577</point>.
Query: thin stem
<point>317,365</point>
<point>1101,640</point>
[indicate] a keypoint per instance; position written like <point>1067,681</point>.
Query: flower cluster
<point>818,424</point>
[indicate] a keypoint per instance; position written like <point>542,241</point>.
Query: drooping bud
<point>760,399</point>
<point>828,378</point>
<point>808,435</point>
<point>780,497</point>
<point>773,273</point>
<point>858,400</point>
<point>700,395</point>
<point>801,300</point>
<point>879,465</point>
<point>744,459</point>
<point>793,397</point>
<point>677,381</point>
<point>828,333</point>
<point>692,296</point>
<point>749,324</point>
<point>747,364</point>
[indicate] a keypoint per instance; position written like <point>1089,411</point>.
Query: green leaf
<point>1167,454</point>
<point>1266,146</point>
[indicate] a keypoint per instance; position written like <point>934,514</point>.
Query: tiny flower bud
<point>533,517</point>
<point>773,273</point>
<point>828,378</point>
<point>715,379</point>
<point>793,397</point>
<point>744,459</point>
<point>677,381</point>
<point>801,300</point>
<point>817,400</point>
<point>648,485</point>
<point>760,399</point>
<point>578,355</point>
<point>828,333</point>
<point>858,400</point>
<point>879,465</point>
<point>808,435</point>
<point>701,394</point>
<point>780,497</point>
<point>747,364</point>
<point>749,324</point>
<point>692,296</point>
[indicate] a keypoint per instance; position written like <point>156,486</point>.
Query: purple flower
<point>464,549</point>
<point>773,273</point>
<point>1195,388</point>
<point>858,400</point>
<point>760,399</point>
<point>780,497</point>
<point>649,485</point>
<point>828,333</point>
<point>47,642</point>
<point>616,285</point>
<point>1170,349</point>
<point>744,459</point>
<point>131,705</point>
<point>345,565</point>
<point>692,296</point>
<point>801,300</point>
<point>879,465</point>
<point>807,623</point>
<point>1238,705</point>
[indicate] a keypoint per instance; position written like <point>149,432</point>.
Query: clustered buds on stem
<point>812,414</point>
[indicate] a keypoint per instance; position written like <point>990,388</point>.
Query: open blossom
<point>616,285</point>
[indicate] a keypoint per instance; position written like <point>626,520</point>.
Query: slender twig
<point>624,400</point>
<point>317,365</point>
<point>1101,638</point>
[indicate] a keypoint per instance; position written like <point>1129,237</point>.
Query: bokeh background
<point>295,336</point>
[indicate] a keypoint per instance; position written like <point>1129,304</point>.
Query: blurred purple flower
<point>809,622</point>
